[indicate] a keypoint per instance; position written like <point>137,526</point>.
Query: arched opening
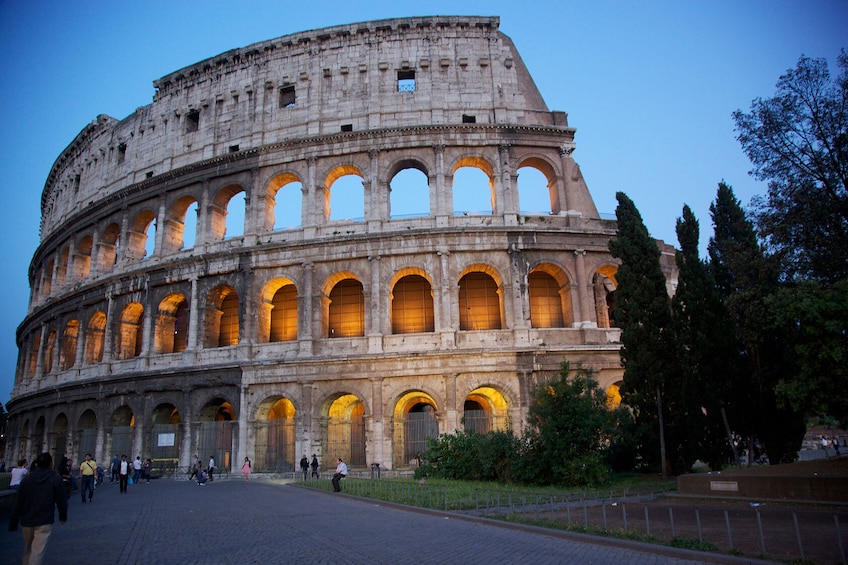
<point>346,198</point>
<point>613,393</point>
<point>59,446</point>
<point>35,345</point>
<point>412,305</point>
<point>68,352</point>
<point>414,422</point>
<point>82,260</point>
<point>87,427</point>
<point>479,302</point>
<point>122,432</point>
<point>49,351</point>
<point>95,337</point>
<point>473,188</point>
<point>62,270</point>
<point>167,433</point>
<point>47,279</point>
<point>274,445</point>
<point>107,248</point>
<point>227,213</point>
<point>142,236</point>
<point>171,332</point>
<point>218,424</point>
<point>536,187</point>
<point>604,284</point>
<point>346,309</point>
<point>409,192</point>
<point>286,190</point>
<point>550,298</point>
<point>181,227</point>
<point>346,430</point>
<point>130,334</point>
<point>222,317</point>
<point>485,409</point>
<point>284,314</point>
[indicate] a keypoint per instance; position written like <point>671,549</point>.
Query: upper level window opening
<point>406,81</point>
<point>192,121</point>
<point>466,119</point>
<point>122,152</point>
<point>347,127</point>
<point>287,97</point>
<point>234,148</point>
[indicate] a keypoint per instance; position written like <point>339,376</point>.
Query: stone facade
<point>344,337</point>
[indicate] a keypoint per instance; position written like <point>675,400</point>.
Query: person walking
<point>304,466</point>
<point>136,469</point>
<point>314,466</point>
<point>211,468</point>
<point>123,473</point>
<point>245,469</point>
<point>341,472</point>
<point>114,470</point>
<point>41,491</point>
<point>88,468</point>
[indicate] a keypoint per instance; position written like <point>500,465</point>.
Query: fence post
<point>647,522</point>
<point>762,537</point>
<point>604,511</point>
<point>698,521</point>
<point>798,535</point>
<point>839,539</point>
<point>624,514</point>
<point>729,534</point>
<point>671,520</point>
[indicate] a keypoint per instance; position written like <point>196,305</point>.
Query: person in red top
<point>42,490</point>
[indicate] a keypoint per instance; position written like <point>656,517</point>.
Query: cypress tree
<point>649,350</point>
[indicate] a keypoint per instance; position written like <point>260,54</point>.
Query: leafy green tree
<point>652,373</point>
<point>798,143</point>
<point>709,352</point>
<point>569,430</point>
<point>747,279</point>
<point>471,456</point>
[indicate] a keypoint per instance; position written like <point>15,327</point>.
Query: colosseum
<point>278,257</point>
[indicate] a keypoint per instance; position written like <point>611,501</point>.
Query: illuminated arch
<point>171,332</point>
<point>485,409</point>
<point>275,435</point>
<point>415,421</point>
<point>345,429</point>
<point>278,318</point>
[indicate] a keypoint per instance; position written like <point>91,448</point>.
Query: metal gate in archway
<point>216,439</point>
<point>122,443</point>
<point>274,446</point>
<point>416,428</point>
<point>346,439</point>
<point>87,443</point>
<point>166,442</point>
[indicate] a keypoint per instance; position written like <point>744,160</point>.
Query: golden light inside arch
<point>613,396</point>
<point>406,402</point>
<point>346,406</point>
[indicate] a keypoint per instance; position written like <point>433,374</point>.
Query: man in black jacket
<point>41,490</point>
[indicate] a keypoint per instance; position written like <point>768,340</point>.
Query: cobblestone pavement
<point>262,521</point>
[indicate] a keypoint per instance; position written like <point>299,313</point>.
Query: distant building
<point>351,327</point>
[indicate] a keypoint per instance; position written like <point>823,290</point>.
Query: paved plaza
<point>264,521</point>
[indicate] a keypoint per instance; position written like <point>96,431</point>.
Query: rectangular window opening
<point>234,148</point>
<point>466,119</point>
<point>192,121</point>
<point>287,97</point>
<point>347,127</point>
<point>406,81</point>
<point>122,152</point>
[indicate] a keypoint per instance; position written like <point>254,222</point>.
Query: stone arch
<point>107,247</point>
<point>415,421</point>
<point>95,336</point>
<point>344,305</point>
<point>291,205</point>
<point>82,257</point>
<point>122,423</point>
<point>139,234</point>
<point>166,432</point>
<point>62,270</point>
<point>485,409</point>
<point>481,304</point>
<point>47,279</point>
<point>50,351</point>
<point>87,431</point>
<point>129,337</point>
<point>278,311</point>
<point>411,307</point>
<point>613,393</point>
<point>217,427</point>
<point>549,294</point>
<point>275,434</point>
<point>68,350</point>
<point>34,347</point>
<point>476,208</point>
<point>175,225</point>
<point>336,174</point>
<point>222,327</point>
<point>604,285</point>
<point>343,428</point>
<point>220,209</point>
<point>544,167</point>
<point>408,183</point>
<point>170,333</point>
<point>38,436</point>
<point>59,446</point>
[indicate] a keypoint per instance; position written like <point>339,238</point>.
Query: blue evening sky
<point>649,85</point>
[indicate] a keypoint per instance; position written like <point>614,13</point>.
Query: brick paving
<point>264,521</point>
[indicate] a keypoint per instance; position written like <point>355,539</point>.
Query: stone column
<point>194,330</point>
<point>567,164</point>
<point>580,313</point>
<point>108,342</point>
<point>306,308</point>
<point>374,326</point>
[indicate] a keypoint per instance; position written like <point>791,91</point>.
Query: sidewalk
<point>264,521</point>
